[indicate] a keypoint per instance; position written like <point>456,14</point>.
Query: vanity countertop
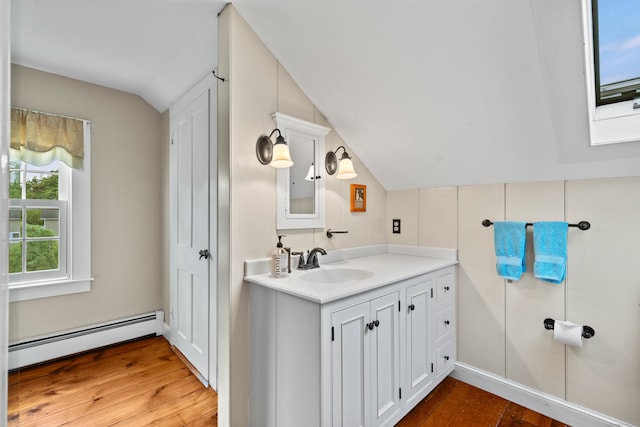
<point>397,263</point>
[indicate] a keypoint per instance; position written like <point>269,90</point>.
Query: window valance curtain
<point>40,138</point>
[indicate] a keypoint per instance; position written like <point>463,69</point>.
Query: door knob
<point>204,253</point>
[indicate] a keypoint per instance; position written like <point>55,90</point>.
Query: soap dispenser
<point>279,260</point>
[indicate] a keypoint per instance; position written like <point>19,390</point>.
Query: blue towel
<point>550,247</point>
<point>509,238</point>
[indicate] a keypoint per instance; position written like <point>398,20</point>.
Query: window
<point>612,55</point>
<point>37,222</point>
<point>49,206</point>
<point>616,50</point>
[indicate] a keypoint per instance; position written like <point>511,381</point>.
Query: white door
<point>190,247</point>
<point>351,367</point>
<point>385,357</point>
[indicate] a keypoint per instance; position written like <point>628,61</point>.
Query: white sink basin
<point>336,275</point>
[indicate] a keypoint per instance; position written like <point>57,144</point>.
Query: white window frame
<point>75,188</point>
<point>608,124</point>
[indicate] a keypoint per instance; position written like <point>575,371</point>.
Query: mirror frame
<point>285,220</point>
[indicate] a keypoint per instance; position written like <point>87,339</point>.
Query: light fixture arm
<point>279,134</point>
<point>345,155</point>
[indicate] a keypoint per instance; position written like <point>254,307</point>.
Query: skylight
<point>616,50</point>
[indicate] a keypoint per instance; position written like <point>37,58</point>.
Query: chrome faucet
<point>312,258</point>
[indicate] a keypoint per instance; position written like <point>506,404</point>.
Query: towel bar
<point>587,331</point>
<point>582,225</point>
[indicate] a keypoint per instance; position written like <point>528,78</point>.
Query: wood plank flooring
<point>455,403</point>
<point>134,384</point>
<point>144,383</point>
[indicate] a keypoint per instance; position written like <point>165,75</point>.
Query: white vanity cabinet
<point>419,368</point>
<point>365,356</point>
<point>445,323</point>
<point>362,360</point>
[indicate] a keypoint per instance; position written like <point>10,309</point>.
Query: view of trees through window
<point>34,230</point>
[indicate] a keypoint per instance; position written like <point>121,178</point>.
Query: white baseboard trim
<point>551,406</point>
<point>65,343</point>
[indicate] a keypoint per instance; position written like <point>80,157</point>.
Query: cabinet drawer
<point>444,356</point>
<point>445,287</point>
<point>445,322</point>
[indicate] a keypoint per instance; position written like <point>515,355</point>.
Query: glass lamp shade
<point>281,157</point>
<point>346,170</point>
<point>310,174</point>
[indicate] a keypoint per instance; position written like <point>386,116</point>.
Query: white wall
<point>500,324</point>
<point>257,87</point>
<point>126,206</point>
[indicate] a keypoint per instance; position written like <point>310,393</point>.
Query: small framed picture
<point>358,198</point>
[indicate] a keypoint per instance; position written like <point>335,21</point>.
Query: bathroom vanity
<point>357,342</point>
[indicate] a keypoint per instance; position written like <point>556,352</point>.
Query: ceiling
<point>425,93</point>
<point>157,49</point>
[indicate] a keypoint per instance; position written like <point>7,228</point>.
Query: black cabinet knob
<point>446,357</point>
<point>446,288</point>
<point>369,326</point>
<point>446,322</point>
<point>376,323</point>
<point>412,307</point>
<point>204,253</point>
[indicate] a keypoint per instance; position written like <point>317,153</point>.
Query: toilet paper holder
<point>587,331</point>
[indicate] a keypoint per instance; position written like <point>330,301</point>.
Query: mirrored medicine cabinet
<point>300,192</point>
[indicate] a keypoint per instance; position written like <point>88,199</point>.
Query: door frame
<point>208,84</point>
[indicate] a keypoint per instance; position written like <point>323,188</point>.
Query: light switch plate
<point>395,226</point>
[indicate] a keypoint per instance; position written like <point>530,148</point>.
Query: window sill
<point>45,289</point>
<point>616,123</point>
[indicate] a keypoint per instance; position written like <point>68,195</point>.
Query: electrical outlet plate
<point>395,226</point>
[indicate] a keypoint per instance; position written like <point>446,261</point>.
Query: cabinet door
<point>385,354</point>
<point>419,367</point>
<point>351,367</point>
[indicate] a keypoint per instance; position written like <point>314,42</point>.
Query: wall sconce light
<point>311,174</point>
<point>276,155</point>
<point>345,169</point>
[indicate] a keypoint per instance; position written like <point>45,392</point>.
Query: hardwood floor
<point>454,403</point>
<point>144,383</point>
<point>135,384</point>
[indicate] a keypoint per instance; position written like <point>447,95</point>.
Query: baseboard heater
<point>66,343</point>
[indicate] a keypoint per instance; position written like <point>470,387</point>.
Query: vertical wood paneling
<point>481,305</point>
<point>438,220</point>
<point>403,205</point>
<point>291,99</point>
<point>532,356</point>
<point>604,292</point>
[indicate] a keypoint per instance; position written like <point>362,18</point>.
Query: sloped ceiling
<point>426,93</point>
<point>436,93</point>
<point>157,49</point>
